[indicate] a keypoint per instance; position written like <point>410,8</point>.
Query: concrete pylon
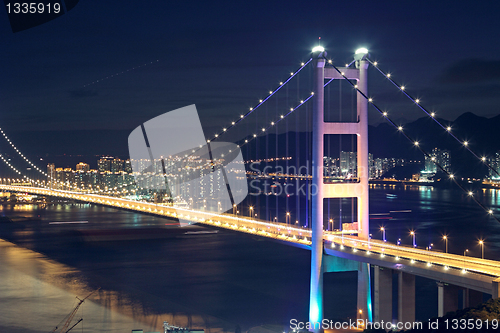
<point>406,297</point>
<point>363,163</point>
<point>447,298</point>
<point>321,191</point>
<point>382,285</point>
<point>316,291</point>
<point>364,301</point>
<point>495,288</point>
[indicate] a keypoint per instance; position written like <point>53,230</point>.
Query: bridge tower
<point>321,191</point>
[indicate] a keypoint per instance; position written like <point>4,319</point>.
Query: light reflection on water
<point>436,212</point>
<point>37,292</point>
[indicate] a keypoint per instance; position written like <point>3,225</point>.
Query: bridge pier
<point>495,289</point>
<point>382,294</point>
<point>406,297</point>
<point>447,298</point>
<point>471,298</point>
<point>364,300</point>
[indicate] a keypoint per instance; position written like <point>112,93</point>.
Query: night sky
<point>224,56</point>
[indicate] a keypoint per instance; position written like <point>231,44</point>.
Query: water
<point>212,281</point>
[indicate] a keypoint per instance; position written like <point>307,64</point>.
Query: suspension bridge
<point>332,251</point>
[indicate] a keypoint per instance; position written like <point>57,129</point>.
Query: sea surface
<point>216,281</point>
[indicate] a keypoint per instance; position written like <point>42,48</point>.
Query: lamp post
<point>481,242</point>
<point>250,211</point>
<point>464,257</point>
<point>446,243</point>
<point>234,208</point>
<point>398,245</point>
<point>331,222</point>
<point>412,233</point>
<point>383,233</point>
<point>288,218</point>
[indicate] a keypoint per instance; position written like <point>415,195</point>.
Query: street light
<point>412,233</point>
<point>287,218</point>
<point>383,233</point>
<point>464,258</point>
<point>481,242</point>
<point>398,243</point>
<point>331,221</point>
<point>250,211</point>
<point>446,243</point>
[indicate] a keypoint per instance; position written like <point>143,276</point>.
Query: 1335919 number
<point>33,8</point>
<point>471,324</point>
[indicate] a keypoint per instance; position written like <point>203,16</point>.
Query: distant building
<point>104,164</point>
<point>439,156</point>
<point>82,167</point>
<point>127,166</point>
<point>116,165</point>
<point>51,175</point>
<point>382,165</point>
<point>371,166</point>
<point>348,164</point>
<point>494,162</point>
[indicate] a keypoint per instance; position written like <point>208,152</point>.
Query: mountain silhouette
<point>482,134</point>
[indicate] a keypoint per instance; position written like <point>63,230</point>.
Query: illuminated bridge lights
<point>433,117</point>
<point>291,234</point>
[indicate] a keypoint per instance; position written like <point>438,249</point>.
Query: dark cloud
<point>471,71</point>
<point>82,93</point>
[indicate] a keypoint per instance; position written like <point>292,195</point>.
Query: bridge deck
<point>465,271</point>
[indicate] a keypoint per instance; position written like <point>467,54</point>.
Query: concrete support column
<point>495,289</point>
<point>364,310</point>
<point>382,307</point>
<point>447,298</point>
<point>316,291</point>
<point>362,147</point>
<point>471,298</point>
<point>406,297</point>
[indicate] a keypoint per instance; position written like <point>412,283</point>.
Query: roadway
<point>430,263</point>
